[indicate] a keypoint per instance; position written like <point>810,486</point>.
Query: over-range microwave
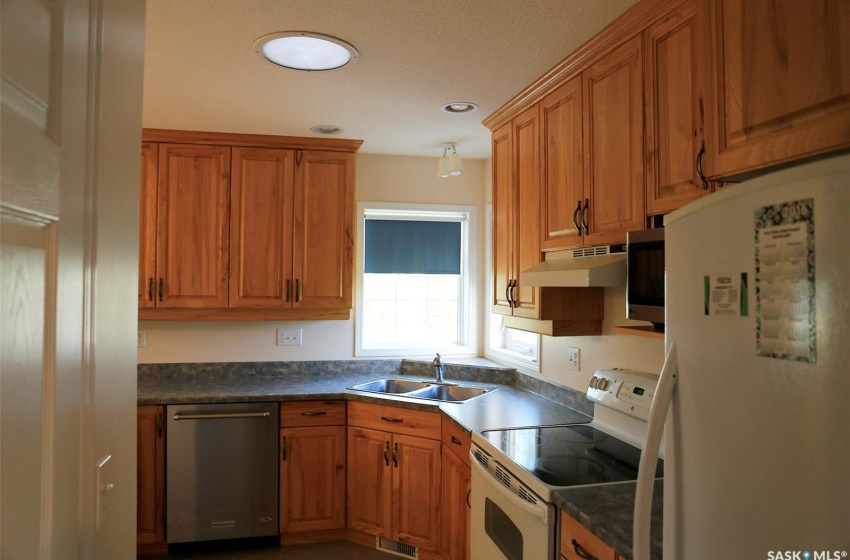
<point>645,276</point>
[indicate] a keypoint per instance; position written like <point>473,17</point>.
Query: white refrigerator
<point>754,397</point>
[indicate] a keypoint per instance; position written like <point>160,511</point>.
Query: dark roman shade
<point>412,247</point>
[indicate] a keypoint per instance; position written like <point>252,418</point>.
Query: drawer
<point>456,439</point>
<point>312,413</point>
<point>573,530</point>
<point>406,421</point>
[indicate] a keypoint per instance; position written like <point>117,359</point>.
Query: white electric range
<point>515,471</point>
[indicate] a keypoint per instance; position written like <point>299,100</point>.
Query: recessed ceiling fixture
<point>327,129</point>
<point>449,165</point>
<point>304,50</point>
<point>456,107</point>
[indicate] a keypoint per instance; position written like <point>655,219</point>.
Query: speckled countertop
<point>607,512</point>
<point>517,401</point>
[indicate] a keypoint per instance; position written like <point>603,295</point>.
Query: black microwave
<point>645,276</point>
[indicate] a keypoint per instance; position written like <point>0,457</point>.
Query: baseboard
<point>309,537</point>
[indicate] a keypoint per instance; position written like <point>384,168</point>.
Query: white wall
<point>380,178</point>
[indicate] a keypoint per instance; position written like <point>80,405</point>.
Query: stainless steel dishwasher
<point>222,471</point>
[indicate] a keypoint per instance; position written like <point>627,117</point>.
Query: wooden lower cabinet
<point>456,490</point>
<point>577,543</point>
<point>150,481</point>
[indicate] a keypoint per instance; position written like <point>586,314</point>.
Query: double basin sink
<point>443,392</point>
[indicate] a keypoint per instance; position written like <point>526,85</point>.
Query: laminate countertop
<point>514,401</point>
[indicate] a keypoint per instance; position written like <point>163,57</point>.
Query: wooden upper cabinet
<point>613,145</point>
<point>193,214</point>
<point>779,82</point>
<point>526,142</point>
<point>562,165</point>
<point>503,218</point>
<point>674,123</point>
<point>323,236</point>
<point>147,226</point>
<point>261,228</point>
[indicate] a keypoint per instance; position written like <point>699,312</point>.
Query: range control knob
<point>593,381</point>
<point>603,384</point>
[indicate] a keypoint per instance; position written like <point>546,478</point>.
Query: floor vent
<point>397,548</point>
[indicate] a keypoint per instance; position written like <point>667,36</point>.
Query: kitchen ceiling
<point>201,72</point>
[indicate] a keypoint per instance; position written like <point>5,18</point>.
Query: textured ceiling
<point>201,72</point>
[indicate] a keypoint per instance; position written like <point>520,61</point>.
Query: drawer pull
<point>392,420</point>
<point>455,441</point>
<point>468,492</point>
<point>314,413</point>
<point>582,552</point>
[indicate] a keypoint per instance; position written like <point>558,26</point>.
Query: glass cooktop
<point>570,455</point>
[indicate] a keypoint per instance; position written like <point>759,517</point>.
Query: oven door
<point>504,525</point>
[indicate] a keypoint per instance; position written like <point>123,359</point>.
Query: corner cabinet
<point>457,487</point>
<point>247,227</point>
<point>150,481</point>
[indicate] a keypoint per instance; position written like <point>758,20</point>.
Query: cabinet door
<point>456,488</point>
<point>563,165</point>
<point>416,491</point>
<point>150,475</point>
<point>312,478</point>
<point>323,237</point>
<point>261,228</point>
<point>193,198</point>
<point>613,112</point>
<point>370,479</point>
<point>674,128</point>
<point>527,253</point>
<point>577,543</point>
<point>147,226</point>
<point>779,82</point>
<point>503,212</point>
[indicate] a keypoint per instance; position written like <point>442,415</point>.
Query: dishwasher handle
<point>185,416</point>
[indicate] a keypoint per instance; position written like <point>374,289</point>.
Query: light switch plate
<point>142,339</point>
<point>105,488</point>
<point>290,337</point>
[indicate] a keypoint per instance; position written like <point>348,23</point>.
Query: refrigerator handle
<point>649,457</point>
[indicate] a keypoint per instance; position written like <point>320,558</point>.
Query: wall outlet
<point>142,339</point>
<point>573,355</point>
<point>290,337</point>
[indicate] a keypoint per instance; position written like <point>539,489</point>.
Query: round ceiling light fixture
<point>327,129</point>
<point>307,51</point>
<point>458,107</point>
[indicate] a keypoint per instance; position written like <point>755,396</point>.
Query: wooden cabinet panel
<point>614,189</point>
<point>674,129</point>
<point>456,516</point>
<point>416,486</point>
<point>370,480</point>
<point>193,197</point>
<point>261,228</point>
<point>420,423</point>
<point>312,413</point>
<point>779,79</point>
<point>323,237</point>
<point>563,168</point>
<point>575,540</point>
<point>147,226</point>
<point>526,140</point>
<point>456,439</point>
<point>503,216</point>
<point>312,478</point>
<point>150,480</point>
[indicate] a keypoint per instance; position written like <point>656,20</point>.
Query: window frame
<point>467,303</point>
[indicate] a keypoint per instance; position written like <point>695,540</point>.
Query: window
<point>415,278</point>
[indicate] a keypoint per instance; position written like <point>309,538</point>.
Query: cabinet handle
<point>387,453</point>
<point>582,553</point>
<point>150,288</point>
<point>514,287</point>
<point>159,425</point>
<point>395,455</point>
<point>314,413</point>
<point>584,217</point>
<point>283,448</point>
<point>161,288</point>
<point>455,441</point>
<point>700,174</point>
<point>575,218</point>
<point>288,289</point>
<point>297,290</point>
<point>468,493</point>
<point>392,420</point>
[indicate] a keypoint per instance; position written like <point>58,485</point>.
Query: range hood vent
<point>601,266</point>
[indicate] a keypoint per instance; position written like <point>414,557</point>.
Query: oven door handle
<point>539,511</point>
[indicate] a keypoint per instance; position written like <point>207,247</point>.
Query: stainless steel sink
<point>423,390</point>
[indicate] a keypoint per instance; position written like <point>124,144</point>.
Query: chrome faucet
<point>439,368</point>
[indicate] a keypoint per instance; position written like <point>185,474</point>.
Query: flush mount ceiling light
<point>450,164</point>
<point>303,50</point>
<point>458,107</point>
<point>327,129</point>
